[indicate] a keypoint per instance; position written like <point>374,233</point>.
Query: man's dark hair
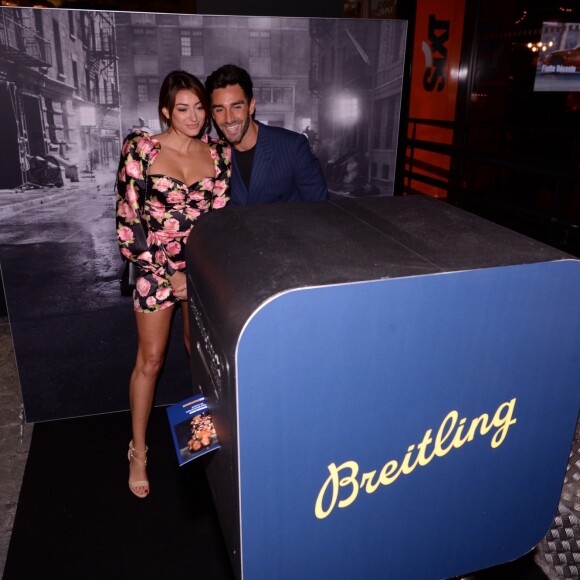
<point>230,74</point>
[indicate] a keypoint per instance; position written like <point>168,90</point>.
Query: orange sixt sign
<point>437,44</point>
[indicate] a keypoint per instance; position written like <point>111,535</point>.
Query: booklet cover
<point>192,429</point>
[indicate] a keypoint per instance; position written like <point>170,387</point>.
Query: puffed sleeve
<point>221,152</point>
<point>136,242</point>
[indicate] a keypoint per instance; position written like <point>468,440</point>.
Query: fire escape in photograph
<point>99,114</point>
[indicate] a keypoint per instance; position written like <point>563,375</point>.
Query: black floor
<point>522,569</point>
<point>77,519</point>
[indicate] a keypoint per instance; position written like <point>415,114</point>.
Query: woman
<point>164,183</point>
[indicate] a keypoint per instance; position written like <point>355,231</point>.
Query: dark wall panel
<point>304,8</point>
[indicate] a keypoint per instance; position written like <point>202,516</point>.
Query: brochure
<point>192,429</point>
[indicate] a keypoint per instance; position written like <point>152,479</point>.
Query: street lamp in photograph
<point>346,110</point>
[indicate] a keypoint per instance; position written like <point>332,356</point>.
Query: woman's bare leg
<point>153,334</point>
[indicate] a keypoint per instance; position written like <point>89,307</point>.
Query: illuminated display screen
<point>558,51</point>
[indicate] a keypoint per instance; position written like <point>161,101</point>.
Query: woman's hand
<point>178,282</point>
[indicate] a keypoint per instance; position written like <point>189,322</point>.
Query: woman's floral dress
<point>155,214</point>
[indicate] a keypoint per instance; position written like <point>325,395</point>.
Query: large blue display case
<point>394,382</point>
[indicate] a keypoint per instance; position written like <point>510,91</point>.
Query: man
<point>269,164</point>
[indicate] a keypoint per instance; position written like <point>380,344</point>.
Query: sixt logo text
<point>436,54</point>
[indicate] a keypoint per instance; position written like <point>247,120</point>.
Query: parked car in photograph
<point>566,57</point>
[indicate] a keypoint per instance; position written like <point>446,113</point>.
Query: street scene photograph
<point>73,84</point>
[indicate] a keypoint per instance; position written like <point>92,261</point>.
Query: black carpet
<point>76,517</point>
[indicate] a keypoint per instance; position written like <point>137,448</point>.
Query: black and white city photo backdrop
<point>73,83</point>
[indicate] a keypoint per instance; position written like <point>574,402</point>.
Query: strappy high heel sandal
<point>135,486</point>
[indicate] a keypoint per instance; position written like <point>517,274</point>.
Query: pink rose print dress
<point>155,214</point>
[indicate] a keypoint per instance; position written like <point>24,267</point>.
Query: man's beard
<point>239,136</point>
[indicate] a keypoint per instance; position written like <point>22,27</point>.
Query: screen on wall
<point>73,83</point>
<point>558,52</point>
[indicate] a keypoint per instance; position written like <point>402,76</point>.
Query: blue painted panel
<point>365,377</point>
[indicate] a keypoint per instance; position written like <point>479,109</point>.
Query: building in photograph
<point>273,50</point>
<point>59,98</point>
